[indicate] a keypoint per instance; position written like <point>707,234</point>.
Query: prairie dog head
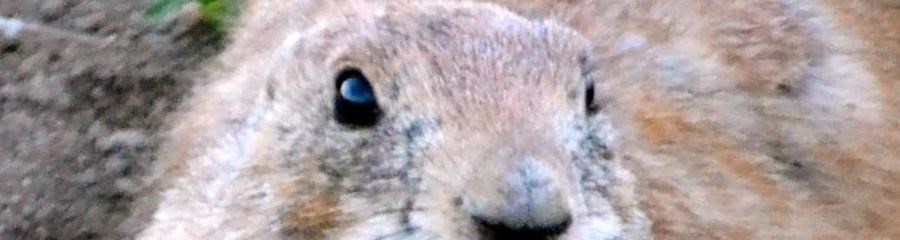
<point>422,120</point>
<point>439,121</point>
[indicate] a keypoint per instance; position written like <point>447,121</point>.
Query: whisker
<point>399,211</point>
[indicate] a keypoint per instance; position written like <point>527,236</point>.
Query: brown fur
<point>769,119</point>
<point>754,119</point>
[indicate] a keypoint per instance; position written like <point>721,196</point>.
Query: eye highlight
<point>355,104</point>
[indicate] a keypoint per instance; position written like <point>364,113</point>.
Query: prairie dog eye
<point>355,104</point>
<point>357,90</point>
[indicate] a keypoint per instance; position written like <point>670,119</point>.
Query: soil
<point>85,86</point>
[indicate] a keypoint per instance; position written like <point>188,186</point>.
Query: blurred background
<point>84,87</point>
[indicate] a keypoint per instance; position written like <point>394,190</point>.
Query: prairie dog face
<point>439,121</point>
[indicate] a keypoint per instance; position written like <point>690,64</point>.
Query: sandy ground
<point>84,86</point>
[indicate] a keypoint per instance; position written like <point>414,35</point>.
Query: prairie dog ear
<point>588,67</point>
<point>589,75</point>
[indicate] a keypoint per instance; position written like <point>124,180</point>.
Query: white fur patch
<point>233,153</point>
<point>289,45</point>
<point>197,207</point>
<point>599,228</point>
<point>631,41</point>
<point>847,83</point>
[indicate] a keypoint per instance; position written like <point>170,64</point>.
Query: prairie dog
<point>399,120</point>
<point>684,119</point>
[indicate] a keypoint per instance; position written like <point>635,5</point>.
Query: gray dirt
<point>84,89</point>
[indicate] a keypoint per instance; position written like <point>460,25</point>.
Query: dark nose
<point>532,205</point>
<point>492,229</point>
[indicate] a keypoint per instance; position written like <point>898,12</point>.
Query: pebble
<point>11,27</point>
<point>90,23</point>
<point>129,138</point>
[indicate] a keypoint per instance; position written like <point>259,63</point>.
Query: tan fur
<point>766,119</point>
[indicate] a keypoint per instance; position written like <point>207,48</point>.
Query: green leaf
<point>163,8</point>
<point>220,13</point>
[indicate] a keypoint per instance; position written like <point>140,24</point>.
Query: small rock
<point>131,138</point>
<point>127,185</point>
<point>10,199</point>
<point>87,176</point>
<point>43,212</point>
<point>115,165</point>
<point>44,88</point>
<point>52,9</point>
<point>11,27</point>
<point>29,209</point>
<point>97,128</point>
<point>34,62</point>
<point>90,23</point>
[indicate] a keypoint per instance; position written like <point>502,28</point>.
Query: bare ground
<point>84,89</point>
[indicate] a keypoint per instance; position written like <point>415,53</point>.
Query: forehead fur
<point>471,55</point>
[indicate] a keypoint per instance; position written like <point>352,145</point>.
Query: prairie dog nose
<point>529,203</point>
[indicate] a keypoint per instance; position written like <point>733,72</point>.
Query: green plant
<point>218,13</point>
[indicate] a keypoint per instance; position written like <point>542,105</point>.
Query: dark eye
<point>355,104</point>
<point>590,103</point>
